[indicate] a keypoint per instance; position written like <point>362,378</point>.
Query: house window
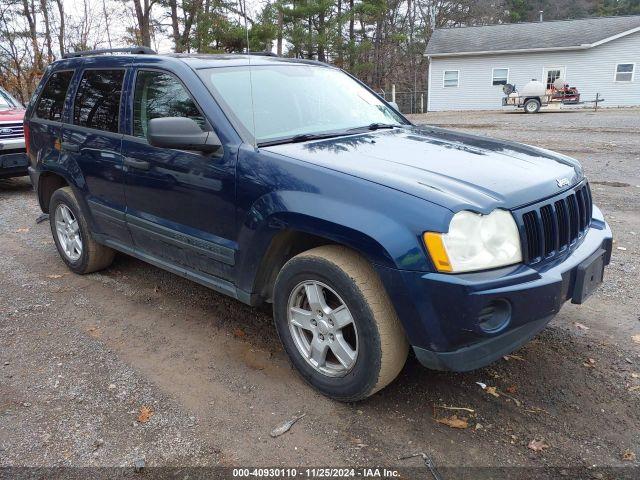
<point>450,78</point>
<point>500,76</point>
<point>625,71</point>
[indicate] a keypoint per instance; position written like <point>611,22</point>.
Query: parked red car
<point>13,155</point>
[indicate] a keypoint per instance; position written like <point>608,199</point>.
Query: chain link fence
<point>409,101</point>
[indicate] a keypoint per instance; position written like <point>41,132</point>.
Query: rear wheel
<point>72,236</point>
<point>337,323</point>
<point>532,106</point>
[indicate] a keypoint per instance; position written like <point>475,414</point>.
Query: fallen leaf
<point>511,389</point>
<point>453,421</point>
<point>581,326</point>
<point>489,390</point>
<point>636,338</point>
<point>286,426</point>
<point>513,357</point>
<point>628,456</point>
<point>238,332</point>
<point>466,409</point>
<point>94,332</point>
<point>537,445</point>
<point>54,275</point>
<point>635,375</point>
<point>145,414</point>
<point>535,410</point>
<point>22,230</point>
<point>492,391</point>
<point>590,363</point>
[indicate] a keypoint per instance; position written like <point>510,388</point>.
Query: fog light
<point>494,316</point>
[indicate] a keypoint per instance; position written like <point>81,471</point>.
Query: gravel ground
<point>135,364</point>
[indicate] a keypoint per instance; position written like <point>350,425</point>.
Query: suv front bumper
<point>442,313</point>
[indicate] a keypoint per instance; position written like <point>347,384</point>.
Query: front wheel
<point>337,323</point>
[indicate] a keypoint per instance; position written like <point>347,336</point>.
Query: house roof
<point>530,37</point>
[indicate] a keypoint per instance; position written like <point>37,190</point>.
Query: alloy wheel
<point>322,328</point>
<point>68,232</point>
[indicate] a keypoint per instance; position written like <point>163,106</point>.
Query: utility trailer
<point>535,95</point>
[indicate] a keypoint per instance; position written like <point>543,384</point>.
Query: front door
<point>91,147</point>
<point>180,204</point>
<point>551,74</point>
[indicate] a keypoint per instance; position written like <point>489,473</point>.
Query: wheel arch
<point>49,182</point>
<point>271,236</point>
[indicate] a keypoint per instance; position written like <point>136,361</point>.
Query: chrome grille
<point>11,130</point>
<point>554,225</point>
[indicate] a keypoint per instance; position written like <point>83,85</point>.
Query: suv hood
<point>455,170</point>
<point>11,115</point>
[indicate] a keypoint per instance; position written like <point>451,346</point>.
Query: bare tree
<point>143,15</point>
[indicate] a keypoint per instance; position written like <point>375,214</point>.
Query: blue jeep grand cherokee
<point>288,181</point>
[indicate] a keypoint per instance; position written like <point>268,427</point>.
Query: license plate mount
<point>589,276</point>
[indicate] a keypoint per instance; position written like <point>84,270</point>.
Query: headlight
<point>475,242</point>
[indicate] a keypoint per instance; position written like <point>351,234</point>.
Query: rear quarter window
<point>97,101</point>
<point>51,102</point>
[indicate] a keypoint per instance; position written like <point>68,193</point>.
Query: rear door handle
<point>70,147</point>
<point>139,164</point>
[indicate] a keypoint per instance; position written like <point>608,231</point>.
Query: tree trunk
<point>339,49</point>
<point>143,13</point>
<point>106,22</point>
<point>310,38</point>
<point>321,38</point>
<point>175,25</point>
<point>377,47</point>
<point>280,25</point>
<point>61,32</point>
<point>30,14</point>
<point>47,30</point>
<point>352,37</point>
<point>189,16</point>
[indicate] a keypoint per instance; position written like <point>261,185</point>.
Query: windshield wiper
<point>303,137</point>
<point>374,126</point>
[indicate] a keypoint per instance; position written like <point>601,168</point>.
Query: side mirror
<point>181,133</point>
<point>394,105</point>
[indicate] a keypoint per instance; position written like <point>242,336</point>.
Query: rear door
<point>45,123</point>
<point>91,144</point>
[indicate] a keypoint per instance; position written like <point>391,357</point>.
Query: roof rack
<point>134,50</point>
<point>264,54</point>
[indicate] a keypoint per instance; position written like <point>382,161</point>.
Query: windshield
<point>293,100</point>
<point>7,101</point>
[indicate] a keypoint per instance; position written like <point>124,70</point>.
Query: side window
<point>450,78</point>
<point>97,102</point>
<point>624,72</point>
<point>51,100</point>
<point>159,95</point>
<point>500,76</point>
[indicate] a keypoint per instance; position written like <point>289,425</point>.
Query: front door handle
<point>139,164</point>
<point>70,147</point>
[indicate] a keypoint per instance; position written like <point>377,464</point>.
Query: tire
<point>91,256</point>
<point>532,106</point>
<point>376,336</point>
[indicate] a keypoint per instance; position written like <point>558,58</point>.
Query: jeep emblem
<point>562,182</point>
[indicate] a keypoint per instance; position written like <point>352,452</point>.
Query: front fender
<point>379,234</point>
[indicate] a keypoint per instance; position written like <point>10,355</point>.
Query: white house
<point>469,65</point>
